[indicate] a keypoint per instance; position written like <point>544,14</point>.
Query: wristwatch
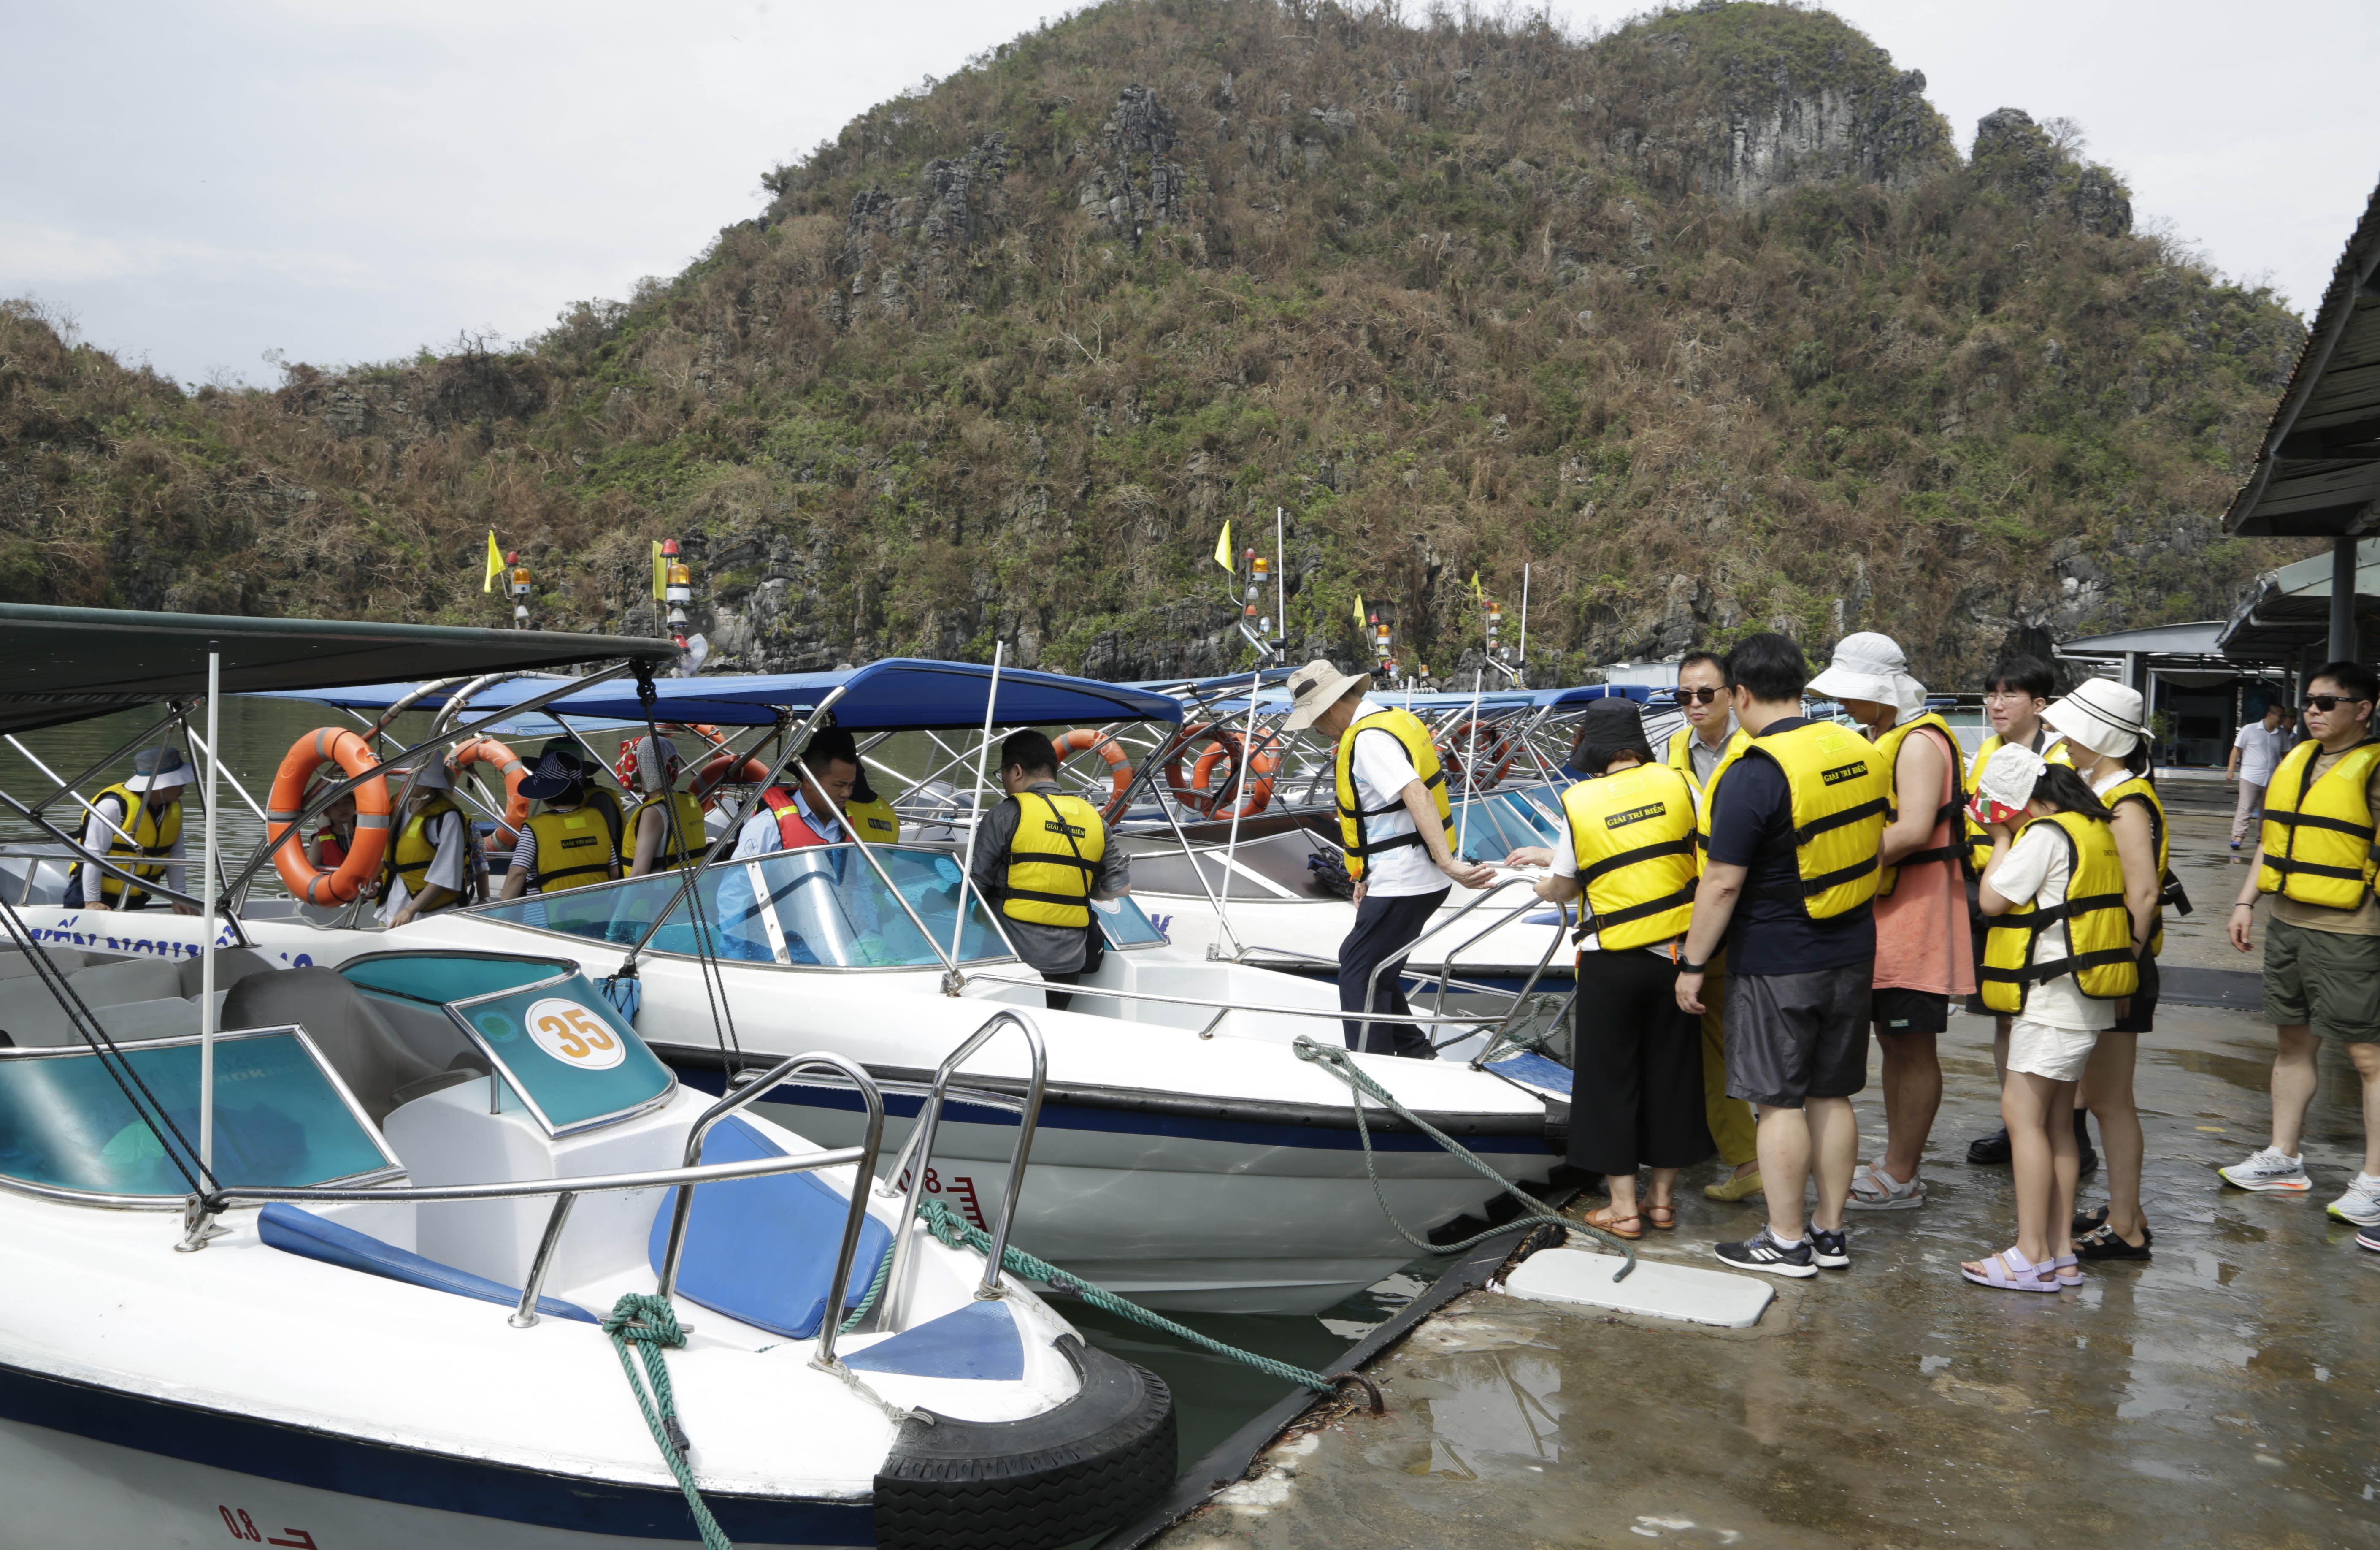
<point>1688,967</point>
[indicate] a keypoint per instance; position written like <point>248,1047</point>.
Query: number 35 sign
<point>575,1035</point>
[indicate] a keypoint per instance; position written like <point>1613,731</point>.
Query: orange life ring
<point>360,866</point>
<point>1494,748</point>
<point>1176,783</point>
<point>721,770</point>
<point>1119,766</point>
<point>488,750</point>
<point>1226,753</point>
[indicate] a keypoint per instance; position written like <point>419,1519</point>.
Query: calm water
<point>1214,1395</point>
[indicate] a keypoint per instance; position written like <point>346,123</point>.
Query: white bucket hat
<point>2006,782</point>
<point>429,776</point>
<point>1871,666</point>
<point>158,769</point>
<point>2102,714</point>
<point>1313,689</point>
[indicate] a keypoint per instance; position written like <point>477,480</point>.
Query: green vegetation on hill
<point>1706,320</point>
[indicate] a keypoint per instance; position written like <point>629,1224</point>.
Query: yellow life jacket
<point>874,821</point>
<point>1052,859</point>
<point>603,800</point>
<point>2098,926</point>
<point>1979,844</point>
<point>1840,791</point>
<point>1634,836</point>
<point>2318,834</point>
<point>1888,748</point>
<point>414,849</point>
<point>1680,757</point>
<point>574,848</point>
<point>675,850</point>
<point>1413,738</point>
<point>1733,751</point>
<point>153,834</point>
<point>2141,789</point>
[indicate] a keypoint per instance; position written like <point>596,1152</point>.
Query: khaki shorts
<point>2322,980</point>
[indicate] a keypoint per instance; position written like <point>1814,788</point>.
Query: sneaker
<point>2267,1169</point>
<point>2369,1239</point>
<point>1986,1150</point>
<point>1760,1252</point>
<point>2235,845</point>
<point>2360,1205</point>
<point>1831,1249</point>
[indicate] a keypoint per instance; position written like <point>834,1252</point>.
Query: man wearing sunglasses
<point>1710,739</point>
<point>2321,947</point>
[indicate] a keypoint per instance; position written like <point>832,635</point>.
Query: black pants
<point>74,900</point>
<point>1384,928</point>
<point>1093,954</point>
<point>1636,1095</point>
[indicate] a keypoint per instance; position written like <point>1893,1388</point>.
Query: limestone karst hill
<point>1707,320</point>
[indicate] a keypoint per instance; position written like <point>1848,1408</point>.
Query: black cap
<point>555,777</point>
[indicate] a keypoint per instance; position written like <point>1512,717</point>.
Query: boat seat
<point>114,984</point>
<point>762,1249</point>
<point>15,963</point>
<point>232,965</point>
<point>368,1055</point>
<point>302,1233</point>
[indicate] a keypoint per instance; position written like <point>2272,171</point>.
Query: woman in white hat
<point>2103,732</point>
<point>137,824</point>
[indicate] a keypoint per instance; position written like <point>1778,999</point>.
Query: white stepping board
<point>1654,1289</point>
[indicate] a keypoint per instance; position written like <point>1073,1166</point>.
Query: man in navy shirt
<point>1797,1002</point>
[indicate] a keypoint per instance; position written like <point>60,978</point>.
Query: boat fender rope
<point>650,1325</point>
<point>1341,1065</point>
<point>956,1231</point>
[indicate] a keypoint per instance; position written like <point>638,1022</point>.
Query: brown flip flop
<point>1664,1217</point>
<point>1602,1220</point>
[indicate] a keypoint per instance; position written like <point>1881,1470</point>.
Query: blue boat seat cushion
<point>303,1233</point>
<point>762,1249</point>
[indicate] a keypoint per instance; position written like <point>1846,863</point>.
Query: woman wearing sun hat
<point>2103,732</point>
<point>137,824</point>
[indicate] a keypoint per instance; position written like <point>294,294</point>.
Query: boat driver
<point>138,817</point>
<point>1042,857</point>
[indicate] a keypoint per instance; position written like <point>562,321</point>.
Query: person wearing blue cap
<point>137,824</point>
<point>565,845</point>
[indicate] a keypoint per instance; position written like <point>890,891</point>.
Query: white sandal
<point>1875,1190</point>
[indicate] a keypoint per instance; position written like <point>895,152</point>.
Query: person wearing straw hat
<point>568,843</point>
<point>2321,947</point>
<point>2104,736</point>
<point>1924,954</point>
<point>1396,827</point>
<point>427,868</point>
<point>137,824</point>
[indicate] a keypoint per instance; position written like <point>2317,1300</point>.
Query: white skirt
<point>2058,1054</point>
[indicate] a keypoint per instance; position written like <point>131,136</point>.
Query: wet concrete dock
<point>2222,1393</point>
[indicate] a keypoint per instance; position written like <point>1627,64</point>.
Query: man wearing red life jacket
<point>810,815</point>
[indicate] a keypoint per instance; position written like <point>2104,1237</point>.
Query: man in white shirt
<point>2254,754</point>
<point>1399,848</point>
<point>134,823</point>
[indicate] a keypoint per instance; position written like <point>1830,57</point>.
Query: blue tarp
<point>897,694</point>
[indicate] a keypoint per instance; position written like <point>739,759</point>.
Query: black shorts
<point>1896,1010</point>
<point>1795,1036</point>
<point>2142,1019</point>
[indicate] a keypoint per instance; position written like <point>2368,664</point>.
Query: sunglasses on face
<point>1697,696</point>
<point>2326,703</point>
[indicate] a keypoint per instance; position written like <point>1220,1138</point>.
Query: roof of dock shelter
<point>69,665</point>
<point>2317,473</point>
<point>2287,613</point>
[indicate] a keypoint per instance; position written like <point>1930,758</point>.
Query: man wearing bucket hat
<point>1394,823</point>
<point>137,824</point>
<point>1922,953</point>
<point>2105,736</point>
<point>2321,947</point>
<point>568,843</point>
<point>427,866</point>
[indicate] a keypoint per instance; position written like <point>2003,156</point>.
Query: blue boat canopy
<point>896,694</point>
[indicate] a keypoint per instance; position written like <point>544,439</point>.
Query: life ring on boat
<point>1494,749</point>
<point>488,750</point>
<point>1176,783</point>
<point>360,866</point>
<point>722,769</point>
<point>1218,770</point>
<point>1084,739</point>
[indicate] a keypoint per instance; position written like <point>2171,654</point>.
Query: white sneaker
<point>2360,1205</point>
<point>2268,1169</point>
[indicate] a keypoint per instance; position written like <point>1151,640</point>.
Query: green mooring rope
<point>956,1231</point>
<point>1339,1064</point>
<point>647,1322</point>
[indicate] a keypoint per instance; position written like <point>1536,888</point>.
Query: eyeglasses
<point>2326,703</point>
<point>2012,697</point>
<point>1697,696</point>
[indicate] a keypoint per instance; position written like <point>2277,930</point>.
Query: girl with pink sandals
<point>2060,956</point>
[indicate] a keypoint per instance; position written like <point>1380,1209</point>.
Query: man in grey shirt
<point>1041,877</point>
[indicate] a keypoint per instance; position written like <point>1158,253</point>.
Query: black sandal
<point>2103,1243</point>
<point>2090,1221</point>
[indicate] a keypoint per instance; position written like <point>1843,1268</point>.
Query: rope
<point>956,1231</point>
<point>648,1323</point>
<point>1339,1063</point>
<point>875,1290</point>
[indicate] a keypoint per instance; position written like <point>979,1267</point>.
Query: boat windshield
<point>554,1038</point>
<point>1495,825</point>
<point>66,1122</point>
<point>823,907</point>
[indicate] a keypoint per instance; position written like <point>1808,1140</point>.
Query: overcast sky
<point>198,183</point>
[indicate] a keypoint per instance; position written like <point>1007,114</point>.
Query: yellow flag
<point>661,571</point>
<point>1360,620</point>
<point>495,564</point>
<point>1476,595</point>
<point>1223,549</point>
